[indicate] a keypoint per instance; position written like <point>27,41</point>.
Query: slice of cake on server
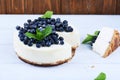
<point>104,42</point>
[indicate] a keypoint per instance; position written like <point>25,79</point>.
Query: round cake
<point>46,41</point>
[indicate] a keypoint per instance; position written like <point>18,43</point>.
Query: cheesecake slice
<point>107,41</point>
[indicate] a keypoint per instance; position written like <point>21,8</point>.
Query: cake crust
<point>114,44</point>
<point>49,64</point>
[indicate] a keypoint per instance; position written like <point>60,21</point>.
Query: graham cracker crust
<point>114,44</point>
<point>49,64</point>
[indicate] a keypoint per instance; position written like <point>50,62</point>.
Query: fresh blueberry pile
<point>41,24</point>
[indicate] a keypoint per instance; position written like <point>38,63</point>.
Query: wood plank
<point>109,7</point>
<point>8,6</point>
<point>28,6</point>
<point>74,6</point>
<point>17,6</point>
<point>117,6</point>
<point>95,6</point>
<point>2,7</point>
<point>40,6</point>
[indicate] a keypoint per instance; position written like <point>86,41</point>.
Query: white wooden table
<point>79,68</point>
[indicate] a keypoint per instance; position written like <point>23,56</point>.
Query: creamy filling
<point>42,55</point>
<point>73,38</point>
<point>103,40</point>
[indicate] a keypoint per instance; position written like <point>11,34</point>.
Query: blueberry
<point>61,42</point>
<point>53,26</point>
<point>58,20</point>
<point>43,25</point>
<point>48,43</point>
<point>39,25</point>
<point>41,29</point>
<point>44,22</point>
<point>65,22</point>
<point>57,24</point>
<point>39,18</point>
<point>32,31</point>
<point>56,34</point>
<point>18,27</point>
<point>43,43</point>
<point>56,41</point>
<point>29,20</point>
<point>30,43</point>
<point>21,38</point>
<point>21,31</point>
<point>48,21</point>
<point>35,20</point>
<point>38,45</point>
<point>52,41</point>
<point>26,26</point>
<point>31,23</point>
<point>33,26</point>
<point>26,38</point>
<point>70,29</point>
<point>61,38</point>
<point>40,22</point>
<point>46,39</point>
<point>25,42</point>
<point>52,23</point>
<point>65,25</point>
<point>52,19</point>
<point>61,29</point>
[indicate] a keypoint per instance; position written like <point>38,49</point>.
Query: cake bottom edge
<point>49,64</point>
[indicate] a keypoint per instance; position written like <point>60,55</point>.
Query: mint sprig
<point>40,34</point>
<point>90,37</point>
<point>101,76</point>
<point>47,14</point>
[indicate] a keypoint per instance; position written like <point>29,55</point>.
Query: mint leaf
<point>47,31</point>
<point>90,37</point>
<point>30,35</point>
<point>40,34</point>
<point>101,76</point>
<point>97,33</point>
<point>47,14</point>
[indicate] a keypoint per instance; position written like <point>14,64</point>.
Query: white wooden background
<point>79,68</point>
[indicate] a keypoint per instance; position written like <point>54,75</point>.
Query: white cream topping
<point>103,40</point>
<point>73,38</point>
<point>42,55</point>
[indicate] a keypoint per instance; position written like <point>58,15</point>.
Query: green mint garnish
<point>47,14</point>
<point>40,34</point>
<point>90,37</point>
<point>101,76</point>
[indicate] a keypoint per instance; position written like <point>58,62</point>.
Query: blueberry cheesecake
<point>45,41</point>
<point>104,42</point>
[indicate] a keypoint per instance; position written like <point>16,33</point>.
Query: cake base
<point>114,44</point>
<point>49,64</point>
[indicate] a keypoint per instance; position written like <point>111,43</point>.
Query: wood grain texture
<point>74,6</point>
<point>109,7</point>
<point>40,6</point>
<point>60,6</point>
<point>28,4</point>
<point>118,7</point>
<point>2,6</point>
<point>17,6</point>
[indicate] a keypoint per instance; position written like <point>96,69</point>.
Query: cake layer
<point>43,55</point>
<point>73,38</point>
<point>103,41</point>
